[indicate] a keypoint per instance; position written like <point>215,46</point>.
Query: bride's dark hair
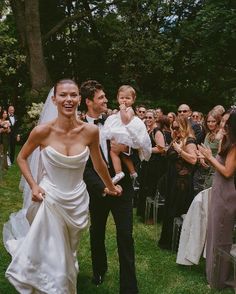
<point>63,81</point>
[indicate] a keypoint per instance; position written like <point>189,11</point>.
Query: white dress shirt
<point>12,119</point>
<point>102,140</point>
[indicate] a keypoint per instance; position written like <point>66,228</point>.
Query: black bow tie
<point>99,121</point>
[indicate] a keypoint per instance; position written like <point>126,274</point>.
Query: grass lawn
<point>157,271</point>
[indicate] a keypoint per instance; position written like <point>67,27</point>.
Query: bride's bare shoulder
<point>43,129</point>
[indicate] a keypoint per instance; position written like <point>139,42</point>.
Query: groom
<point>101,205</point>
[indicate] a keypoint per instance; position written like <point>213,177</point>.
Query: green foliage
<point>12,60</point>
<point>170,51</point>
<point>27,122</point>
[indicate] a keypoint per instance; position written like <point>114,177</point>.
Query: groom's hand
<point>118,148</point>
<point>117,191</point>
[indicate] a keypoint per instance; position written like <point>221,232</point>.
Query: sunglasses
<point>176,128</point>
<point>196,116</point>
<point>149,117</point>
<point>141,111</point>
<point>184,111</point>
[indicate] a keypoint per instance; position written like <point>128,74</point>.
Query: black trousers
<point>12,148</point>
<point>122,211</point>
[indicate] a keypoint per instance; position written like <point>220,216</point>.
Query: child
<point>125,128</point>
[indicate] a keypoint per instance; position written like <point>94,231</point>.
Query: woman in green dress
<point>212,141</point>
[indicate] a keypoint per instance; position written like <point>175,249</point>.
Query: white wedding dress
<point>44,248</point>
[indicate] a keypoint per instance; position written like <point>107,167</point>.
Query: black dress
<point>179,192</point>
<point>150,174</point>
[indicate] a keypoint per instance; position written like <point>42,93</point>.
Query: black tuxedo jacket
<point>14,128</point>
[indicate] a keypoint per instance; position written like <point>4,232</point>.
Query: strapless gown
<point>43,248</point>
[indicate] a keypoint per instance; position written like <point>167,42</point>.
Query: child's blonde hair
<point>129,88</point>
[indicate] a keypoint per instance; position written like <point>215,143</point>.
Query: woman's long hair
<point>185,129</point>
<point>229,139</point>
<point>217,117</point>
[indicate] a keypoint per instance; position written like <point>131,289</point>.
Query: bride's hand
<point>117,191</point>
<point>37,193</point>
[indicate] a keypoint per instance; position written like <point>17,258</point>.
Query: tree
<point>27,18</point>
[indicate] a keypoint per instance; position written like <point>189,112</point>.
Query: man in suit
<point>198,177</point>
<point>185,111</point>
<point>101,205</point>
<point>13,135</point>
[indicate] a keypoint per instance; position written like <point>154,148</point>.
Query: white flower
<point>35,110</point>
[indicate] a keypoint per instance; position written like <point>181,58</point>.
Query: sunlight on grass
<point>157,271</point>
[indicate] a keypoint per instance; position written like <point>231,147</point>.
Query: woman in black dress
<point>179,191</point>
<point>151,170</point>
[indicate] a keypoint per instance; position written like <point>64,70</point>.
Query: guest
<point>219,109</point>
<point>171,116</point>
<point>121,207</point>
<point>201,118</point>
<point>151,170</point>
<point>211,141</point>
<point>185,111</point>
<point>159,115</point>
<point>223,121</point>
<point>142,112</point>
<point>4,131</point>
<point>195,116</point>
<point>179,195</point>
<point>165,124</point>
<point>13,135</point>
<point>222,212</point>
<point>45,259</point>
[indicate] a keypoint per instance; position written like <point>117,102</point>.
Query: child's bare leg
<point>129,163</point>
<point>117,166</point>
<point>133,174</point>
<point>116,161</point>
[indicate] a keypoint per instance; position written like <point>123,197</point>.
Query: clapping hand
<point>178,146</point>
<point>201,159</point>
<point>204,151</point>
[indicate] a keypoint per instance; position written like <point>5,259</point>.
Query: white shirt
<point>12,119</point>
<point>102,140</point>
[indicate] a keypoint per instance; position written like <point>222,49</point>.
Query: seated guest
<point>179,191</point>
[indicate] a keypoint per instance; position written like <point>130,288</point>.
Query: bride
<point>43,237</point>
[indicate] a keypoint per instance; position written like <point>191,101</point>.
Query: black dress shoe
<point>97,279</point>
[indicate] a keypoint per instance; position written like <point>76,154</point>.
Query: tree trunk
<point>28,23</point>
